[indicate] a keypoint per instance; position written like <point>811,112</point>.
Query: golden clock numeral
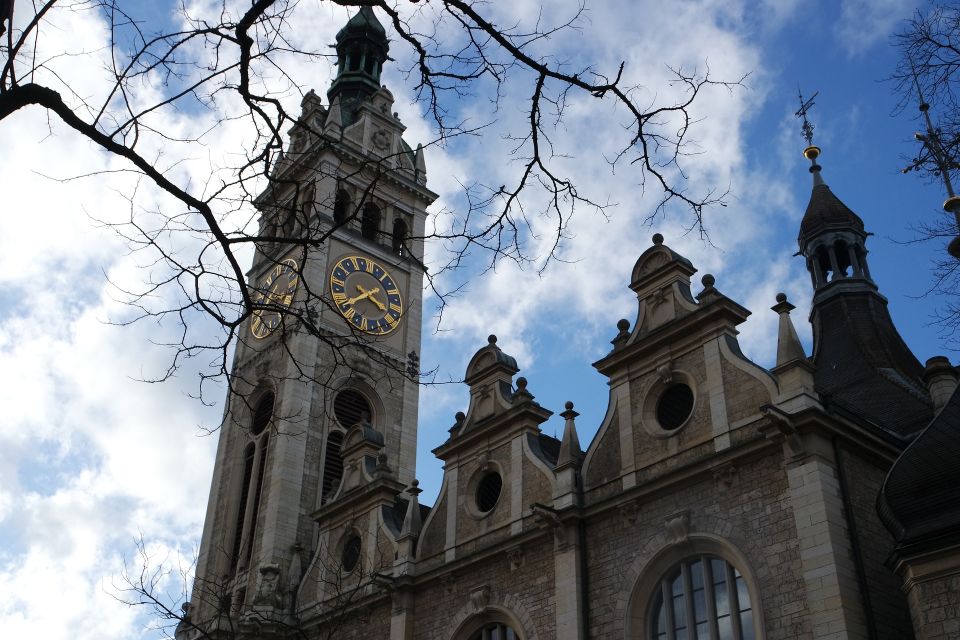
<point>337,281</point>
<point>349,313</point>
<point>339,298</point>
<point>395,307</point>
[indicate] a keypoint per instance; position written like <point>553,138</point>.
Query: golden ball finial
<point>811,153</point>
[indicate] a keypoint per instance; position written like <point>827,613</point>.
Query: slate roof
<point>825,211</point>
<point>863,365</point>
<point>363,23</point>
<point>920,498</point>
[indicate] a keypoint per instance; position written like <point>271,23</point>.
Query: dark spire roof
<point>862,365</point>
<point>918,501</point>
<point>363,24</point>
<point>825,212</point>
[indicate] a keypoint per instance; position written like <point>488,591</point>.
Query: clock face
<point>276,290</point>
<point>366,295</point>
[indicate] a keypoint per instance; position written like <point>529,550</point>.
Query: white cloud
<point>865,23</point>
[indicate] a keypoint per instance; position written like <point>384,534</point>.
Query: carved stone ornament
<point>658,297</point>
<point>665,373</point>
<point>480,599</point>
<point>268,586</point>
<point>630,511</point>
<point>516,558</point>
<point>381,140</point>
<point>654,262</point>
<point>678,527</point>
<point>725,475</point>
<point>483,461</point>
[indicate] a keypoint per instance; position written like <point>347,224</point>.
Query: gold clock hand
<point>365,294</point>
<point>375,301</point>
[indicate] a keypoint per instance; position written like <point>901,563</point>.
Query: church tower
<point>862,364</point>
<point>331,349</point>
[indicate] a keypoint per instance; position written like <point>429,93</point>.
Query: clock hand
<point>366,295</point>
<point>369,296</point>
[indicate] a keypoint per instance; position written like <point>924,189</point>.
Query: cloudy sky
<point>93,458</point>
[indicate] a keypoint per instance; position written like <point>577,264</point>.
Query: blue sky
<point>90,457</point>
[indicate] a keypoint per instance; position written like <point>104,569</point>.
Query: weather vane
<point>805,107</point>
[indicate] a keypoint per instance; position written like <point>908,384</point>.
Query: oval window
<point>488,491</point>
<point>675,406</point>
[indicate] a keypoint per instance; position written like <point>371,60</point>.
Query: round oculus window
<point>674,406</point>
<point>488,491</point>
<point>350,407</point>
<point>351,554</point>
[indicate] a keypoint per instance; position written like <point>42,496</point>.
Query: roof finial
<point>812,152</point>
<point>931,141</point>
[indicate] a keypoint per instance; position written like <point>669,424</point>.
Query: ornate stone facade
<point>717,500</point>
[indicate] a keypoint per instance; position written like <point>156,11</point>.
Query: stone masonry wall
<point>888,604</point>
<point>935,608</point>
<point>525,589</point>
<point>751,512</point>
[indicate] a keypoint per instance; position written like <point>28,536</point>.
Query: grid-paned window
<point>702,598</point>
<point>495,631</point>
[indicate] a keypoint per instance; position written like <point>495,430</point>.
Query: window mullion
<point>668,606</point>
<point>688,601</point>
<point>734,600</point>
<point>711,598</point>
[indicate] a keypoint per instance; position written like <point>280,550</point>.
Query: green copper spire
<point>362,49</point>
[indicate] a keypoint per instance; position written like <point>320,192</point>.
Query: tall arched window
<point>332,466</point>
<point>254,457</point>
<point>341,207</point>
<point>701,598</point>
<point>399,237</point>
<point>307,206</point>
<point>370,225</point>
<point>248,455</point>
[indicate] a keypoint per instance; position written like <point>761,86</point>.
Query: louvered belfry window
<point>254,457</point>
<point>350,407</point>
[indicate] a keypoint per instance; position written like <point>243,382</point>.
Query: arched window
<point>495,631</point>
<point>254,512</point>
<point>332,466</point>
<point>341,207</point>
<point>843,258</point>
<point>254,457</point>
<point>370,225</point>
<point>307,206</point>
<point>399,237</point>
<point>248,455</point>
<point>262,414</point>
<point>701,598</point>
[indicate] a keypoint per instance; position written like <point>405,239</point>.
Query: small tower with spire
<point>832,237</point>
<point>362,49</point>
<point>860,360</point>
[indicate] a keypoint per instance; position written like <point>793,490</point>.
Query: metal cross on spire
<point>805,107</point>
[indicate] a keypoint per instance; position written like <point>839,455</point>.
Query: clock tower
<point>332,347</point>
